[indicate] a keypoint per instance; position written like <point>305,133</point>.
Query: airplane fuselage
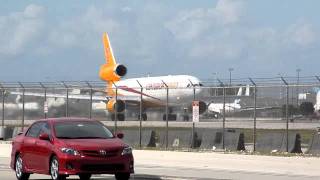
<point>181,88</point>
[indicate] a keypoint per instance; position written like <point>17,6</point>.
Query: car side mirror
<point>44,136</point>
<point>120,135</point>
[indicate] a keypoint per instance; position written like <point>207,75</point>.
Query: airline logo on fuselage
<point>155,86</point>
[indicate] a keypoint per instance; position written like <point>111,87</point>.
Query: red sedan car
<point>70,146</point>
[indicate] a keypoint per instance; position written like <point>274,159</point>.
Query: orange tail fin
<point>108,53</point>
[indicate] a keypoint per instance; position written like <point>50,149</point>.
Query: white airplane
<point>119,93</point>
<point>217,108</point>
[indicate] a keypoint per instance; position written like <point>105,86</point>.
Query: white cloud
<point>302,34</point>
<point>126,9</point>
<point>229,11</point>
<point>34,11</point>
<point>190,24</point>
<point>21,29</point>
<point>82,31</point>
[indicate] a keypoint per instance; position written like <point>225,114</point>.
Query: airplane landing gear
<point>171,117</point>
<point>144,117</point>
<point>121,116</point>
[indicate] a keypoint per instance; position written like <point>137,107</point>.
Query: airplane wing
<point>259,108</point>
<point>79,96</point>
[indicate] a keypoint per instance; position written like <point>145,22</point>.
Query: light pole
<point>230,70</point>
<point>298,78</point>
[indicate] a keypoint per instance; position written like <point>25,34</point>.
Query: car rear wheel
<point>122,176</point>
<point>19,169</point>
<point>54,169</point>
<point>85,176</point>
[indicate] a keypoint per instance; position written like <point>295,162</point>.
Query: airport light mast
<point>298,78</point>
<point>230,70</point>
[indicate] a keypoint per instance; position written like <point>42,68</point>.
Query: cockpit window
<point>199,84</point>
<point>194,85</point>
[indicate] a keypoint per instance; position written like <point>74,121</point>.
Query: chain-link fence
<point>254,114</point>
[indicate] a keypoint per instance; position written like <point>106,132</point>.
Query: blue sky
<point>61,40</point>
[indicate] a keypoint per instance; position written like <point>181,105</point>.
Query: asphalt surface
<point>169,165</point>
<point>245,123</point>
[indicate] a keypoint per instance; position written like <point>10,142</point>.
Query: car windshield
<point>81,130</point>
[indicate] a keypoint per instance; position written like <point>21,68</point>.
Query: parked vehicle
<point>70,146</point>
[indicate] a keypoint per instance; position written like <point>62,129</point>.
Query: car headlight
<point>70,151</point>
<point>126,150</point>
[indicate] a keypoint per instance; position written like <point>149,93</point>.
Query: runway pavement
<point>242,123</point>
<point>202,165</point>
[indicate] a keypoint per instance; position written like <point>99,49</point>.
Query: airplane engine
<point>112,73</point>
<point>115,106</point>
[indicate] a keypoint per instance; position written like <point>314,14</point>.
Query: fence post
<point>91,91</point>
<point>23,91</point>
<point>3,99</point>
<point>116,110</point>
<point>193,123</point>
<point>224,116</point>
<point>254,115</point>
<point>3,94</point>
<point>287,112</point>
<point>224,111</point>
<point>140,117</point>
<point>67,99</point>
<point>167,109</point>
<point>45,99</point>
<point>194,89</point>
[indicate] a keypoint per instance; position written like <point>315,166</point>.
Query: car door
<point>44,149</point>
<point>29,145</point>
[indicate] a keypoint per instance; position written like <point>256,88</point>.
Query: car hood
<point>93,144</point>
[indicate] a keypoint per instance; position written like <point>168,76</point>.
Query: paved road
<point>198,165</point>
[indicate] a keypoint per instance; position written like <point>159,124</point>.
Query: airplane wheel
<point>121,117</point>
<point>144,117</point>
<point>171,117</point>
<point>185,117</point>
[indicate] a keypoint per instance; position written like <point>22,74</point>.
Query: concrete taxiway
<point>201,165</point>
<point>241,123</point>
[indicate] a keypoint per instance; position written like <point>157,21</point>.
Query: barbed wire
<point>259,81</point>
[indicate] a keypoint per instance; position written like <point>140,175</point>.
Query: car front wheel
<point>122,176</point>
<point>19,169</point>
<point>54,170</point>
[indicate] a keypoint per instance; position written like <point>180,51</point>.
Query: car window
<point>84,130</point>
<point>34,130</point>
<point>45,128</point>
